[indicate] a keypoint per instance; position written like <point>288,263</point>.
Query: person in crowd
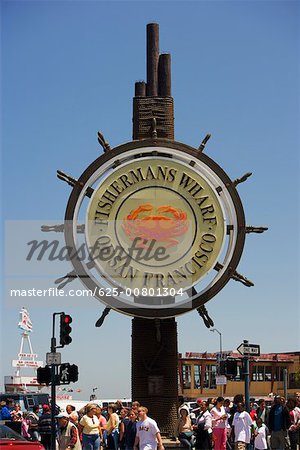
<point>260,433</point>
<point>123,413</point>
<point>68,435</point>
<point>16,413</point>
<point>252,412</point>
<point>112,427</point>
<point>211,402</point>
<point>25,426</point>
<point>148,436</point>
<point>182,404</point>
<point>293,431</point>
<point>7,407</point>
<point>123,419</point>
<point>74,418</point>
<point>135,406</point>
<point>242,427</point>
<point>197,411</point>
<point>70,409</point>
<point>238,398</point>
<point>233,409</point>
<point>101,419</point>
<point>279,423</point>
<point>184,429</point>
<point>33,421</point>
<point>262,412</point>
<point>128,430</point>
<point>203,428</point>
<point>89,426</point>
<point>219,424</point>
<point>82,411</point>
<point>119,406</point>
<point>227,403</point>
<point>297,400</point>
<point>44,427</point>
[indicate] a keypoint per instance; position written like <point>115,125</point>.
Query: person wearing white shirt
<point>203,428</point>
<point>260,440</point>
<point>148,436</point>
<point>219,424</point>
<point>242,427</point>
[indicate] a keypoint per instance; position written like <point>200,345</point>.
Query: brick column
<point>155,369</point>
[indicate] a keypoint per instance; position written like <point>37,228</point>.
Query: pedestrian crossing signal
<point>43,375</point>
<point>73,373</point>
<point>65,329</point>
<point>68,373</point>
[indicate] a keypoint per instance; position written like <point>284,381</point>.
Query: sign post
<point>53,387</point>
<point>60,373</point>
<point>246,350</point>
<point>247,381</point>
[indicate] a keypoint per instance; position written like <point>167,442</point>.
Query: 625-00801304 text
<point>141,292</point>
<point>105,292</point>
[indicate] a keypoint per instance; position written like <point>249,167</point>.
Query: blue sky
<point>68,70</point>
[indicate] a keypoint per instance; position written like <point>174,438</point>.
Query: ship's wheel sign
<point>164,228</point>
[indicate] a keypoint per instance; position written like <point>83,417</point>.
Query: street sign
<point>249,349</point>
<point>53,358</point>
<point>26,363</point>
<point>221,380</point>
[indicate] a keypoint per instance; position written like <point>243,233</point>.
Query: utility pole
<point>220,358</point>
<point>53,387</point>
<point>246,377</point>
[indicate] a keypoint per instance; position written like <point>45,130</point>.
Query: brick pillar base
<point>154,369</point>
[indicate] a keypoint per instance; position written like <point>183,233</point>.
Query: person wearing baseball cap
<point>68,436</point>
<point>44,427</point>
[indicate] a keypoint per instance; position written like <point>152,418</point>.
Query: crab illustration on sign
<point>160,227</point>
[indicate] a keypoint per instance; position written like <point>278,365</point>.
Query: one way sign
<point>249,349</point>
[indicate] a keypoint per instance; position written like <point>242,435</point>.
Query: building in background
<point>198,375</point>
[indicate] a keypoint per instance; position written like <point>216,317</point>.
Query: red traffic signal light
<point>65,329</point>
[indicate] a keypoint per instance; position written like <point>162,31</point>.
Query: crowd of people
<point>220,424</point>
<point>217,424</point>
<point>118,428</point>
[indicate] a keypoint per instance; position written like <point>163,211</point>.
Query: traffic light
<point>65,329</point>
<point>43,375</point>
<point>73,373</point>
<point>222,367</point>
<point>231,368</point>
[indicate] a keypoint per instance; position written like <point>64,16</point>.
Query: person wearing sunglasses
<point>90,427</point>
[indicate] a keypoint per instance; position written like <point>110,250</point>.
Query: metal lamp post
<point>221,356</point>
